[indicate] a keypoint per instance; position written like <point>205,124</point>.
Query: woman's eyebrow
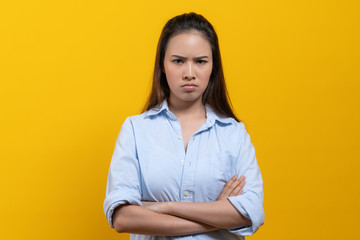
<point>196,58</point>
<point>201,57</point>
<point>178,56</point>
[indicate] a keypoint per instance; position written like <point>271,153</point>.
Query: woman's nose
<point>189,72</point>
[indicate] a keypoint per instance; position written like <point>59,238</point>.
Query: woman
<point>175,167</point>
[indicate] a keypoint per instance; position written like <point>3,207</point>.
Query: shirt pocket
<point>220,171</point>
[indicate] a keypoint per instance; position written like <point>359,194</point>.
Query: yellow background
<point>71,71</point>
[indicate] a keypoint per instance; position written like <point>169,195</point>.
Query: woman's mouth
<point>189,87</point>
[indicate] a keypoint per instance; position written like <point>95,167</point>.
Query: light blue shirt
<point>149,163</point>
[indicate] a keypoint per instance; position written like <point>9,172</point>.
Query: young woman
<point>175,172</point>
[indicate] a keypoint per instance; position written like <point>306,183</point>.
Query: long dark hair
<point>215,94</point>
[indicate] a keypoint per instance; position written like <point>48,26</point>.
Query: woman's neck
<point>185,109</point>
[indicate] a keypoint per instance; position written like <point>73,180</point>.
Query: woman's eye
<point>201,61</point>
<point>178,61</point>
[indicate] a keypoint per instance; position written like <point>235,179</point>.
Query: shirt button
<point>179,137</point>
<point>186,193</point>
<point>182,161</point>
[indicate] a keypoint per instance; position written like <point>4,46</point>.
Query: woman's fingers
<point>233,187</point>
<point>228,188</point>
<point>238,189</point>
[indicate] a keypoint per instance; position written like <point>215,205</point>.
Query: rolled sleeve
<point>123,184</point>
<point>251,208</point>
<point>250,202</point>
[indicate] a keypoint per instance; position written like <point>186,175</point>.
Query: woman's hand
<point>232,188</point>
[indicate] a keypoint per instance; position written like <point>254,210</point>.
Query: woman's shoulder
<point>230,124</point>
<point>137,118</point>
<point>144,117</point>
<point>222,120</point>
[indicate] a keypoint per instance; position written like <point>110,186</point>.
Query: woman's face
<point>187,66</point>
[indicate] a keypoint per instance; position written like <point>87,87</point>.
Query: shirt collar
<point>158,109</point>
<point>211,116</point>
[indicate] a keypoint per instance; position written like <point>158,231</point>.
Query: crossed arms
<point>182,218</point>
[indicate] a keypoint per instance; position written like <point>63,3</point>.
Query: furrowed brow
<point>195,58</point>
<point>178,56</point>
<point>200,57</point>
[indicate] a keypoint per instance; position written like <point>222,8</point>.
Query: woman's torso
<point>169,173</point>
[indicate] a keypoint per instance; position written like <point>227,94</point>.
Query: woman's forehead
<point>189,43</point>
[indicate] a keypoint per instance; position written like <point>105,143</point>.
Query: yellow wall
<point>72,70</point>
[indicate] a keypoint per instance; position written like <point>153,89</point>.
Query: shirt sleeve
<point>250,202</point>
<point>123,180</point>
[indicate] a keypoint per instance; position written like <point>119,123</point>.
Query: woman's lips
<point>189,87</point>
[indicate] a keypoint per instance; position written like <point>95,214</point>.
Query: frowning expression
<point>188,66</point>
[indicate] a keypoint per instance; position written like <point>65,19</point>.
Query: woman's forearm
<point>220,214</point>
<point>139,220</point>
